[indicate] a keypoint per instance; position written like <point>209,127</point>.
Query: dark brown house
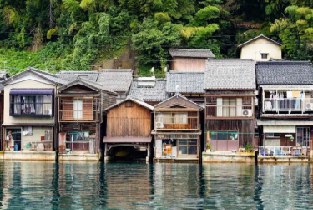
<point>128,129</point>
<point>80,117</point>
<point>229,104</point>
<point>177,129</point>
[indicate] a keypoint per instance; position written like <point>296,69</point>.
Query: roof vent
<point>146,81</point>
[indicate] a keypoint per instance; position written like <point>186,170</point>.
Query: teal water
<point>48,185</point>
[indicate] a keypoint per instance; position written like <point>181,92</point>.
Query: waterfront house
<point>189,59</point>
<point>189,84</point>
<point>128,129</point>
<point>149,89</point>
<point>260,48</point>
<point>286,107</point>
<point>80,116</point>
<point>3,76</point>
<point>229,104</point>
<point>177,129</point>
<point>29,114</point>
<point>117,80</point>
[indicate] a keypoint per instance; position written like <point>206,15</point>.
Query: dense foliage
<point>75,34</point>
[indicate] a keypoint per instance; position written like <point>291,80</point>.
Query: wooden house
<point>128,125</point>
<point>177,129</point>
<point>149,89</point>
<point>229,103</point>
<point>190,59</point>
<point>187,83</point>
<point>286,107</point>
<point>80,116</point>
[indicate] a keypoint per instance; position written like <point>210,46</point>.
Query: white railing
<point>282,151</point>
<point>285,104</point>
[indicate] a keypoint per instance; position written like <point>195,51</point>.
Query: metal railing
<point>283,151</point>
<point>31,109</point>
<point>229,111</point>
<point>284,104</point>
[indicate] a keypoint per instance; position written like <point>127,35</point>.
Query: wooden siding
<point>129,121</point>
<point>189,64</point>
<point>177,102</point>
<point>68,109</point>
<point>246,129</point>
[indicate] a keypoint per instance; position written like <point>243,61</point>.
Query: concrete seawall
<point>28,155</point>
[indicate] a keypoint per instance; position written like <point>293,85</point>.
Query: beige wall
<point>188,64</point>
<point>24,84</point>
<point>254,49</point>
<point>36,137</point>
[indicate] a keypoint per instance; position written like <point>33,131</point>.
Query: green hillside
<point>75,34</point>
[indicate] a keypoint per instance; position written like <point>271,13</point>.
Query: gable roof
<point>73,75</point>
<point>192,53</point>
<point>118,80</point>
<point>186,82</point>
<point>258,37</point>
<point>284,73</point>
<point>87,83</point>
<point>235,74</point>
<point>139,102</point>
<point>155,93</point>
<point>43,74</point>
<point>178,100</point>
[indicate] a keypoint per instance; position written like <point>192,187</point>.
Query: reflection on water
<point>75,185</point>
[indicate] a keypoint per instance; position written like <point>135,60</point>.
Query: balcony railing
<point>176,123</point>
<point>229,111</point>
<point>78,115</point>
<point>290,105</point>
<point>283,151</point>
<point>31,109</point>
<point>45,145</point>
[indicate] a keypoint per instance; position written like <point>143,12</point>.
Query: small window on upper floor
<point>264,55</point>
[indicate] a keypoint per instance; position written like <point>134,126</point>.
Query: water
<point>76,185</point>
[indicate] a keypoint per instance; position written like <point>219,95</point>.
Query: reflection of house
<point>148,89</point>
<point>190,59</point>
<point>117,80</point>
<point>80,105</point>
<point>260,48</point>
<point>229,104</point>
<point>189,84</point>
<point>128,125</point>
<point>286,106</point>
<point>177,129</point>
<point>29,112</point>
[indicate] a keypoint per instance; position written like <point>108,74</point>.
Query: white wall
<point>254,49</point>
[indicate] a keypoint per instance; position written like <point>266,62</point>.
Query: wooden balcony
<point>229,111</point>
<point>177,121</point>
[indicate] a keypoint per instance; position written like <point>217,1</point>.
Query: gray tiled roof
<point>284,73</point>
<point>233,74</point>
<point>3,75</point>
<point>186,82</point>
<point>156,93</point>
<point>194,53</point>
<point>258,37</point>
<point>49,76</point>
<point>118,80</point>
<point>137,101</point>
<point>72,75</point>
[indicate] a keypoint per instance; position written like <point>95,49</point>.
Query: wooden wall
<point>189,64</point>
<point>68,109</point>
<point>129,121</point>
<point>245,128</point>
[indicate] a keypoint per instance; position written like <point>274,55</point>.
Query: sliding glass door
<point>303,137</point>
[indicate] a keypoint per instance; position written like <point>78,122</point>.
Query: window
<point>264,55</point>
<point>77,109</point>
<point>188,147</point>
<point>27,131</point>
<point>31,105</point>
<point>172,118</point>
<point>303,137</point>
<point>223,135</point>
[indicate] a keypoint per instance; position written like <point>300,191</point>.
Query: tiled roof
<point>178,95</point>
<point>3,75</point>
<point>118,80</point>
<point>185,82</point>
<point>284,73</point>
<point>194,53</point>
<point>49,76</point>
<point>137,101</point>
<point>72,75</point>
<point>233,74</point>
<point>258,37</point>
<point>156,93</point>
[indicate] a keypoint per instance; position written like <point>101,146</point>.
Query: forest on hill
<point>75,34</point>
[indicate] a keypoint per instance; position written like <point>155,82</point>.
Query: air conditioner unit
<point>309,106</point>
<point>159,125</point>
<point>247,113</point>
